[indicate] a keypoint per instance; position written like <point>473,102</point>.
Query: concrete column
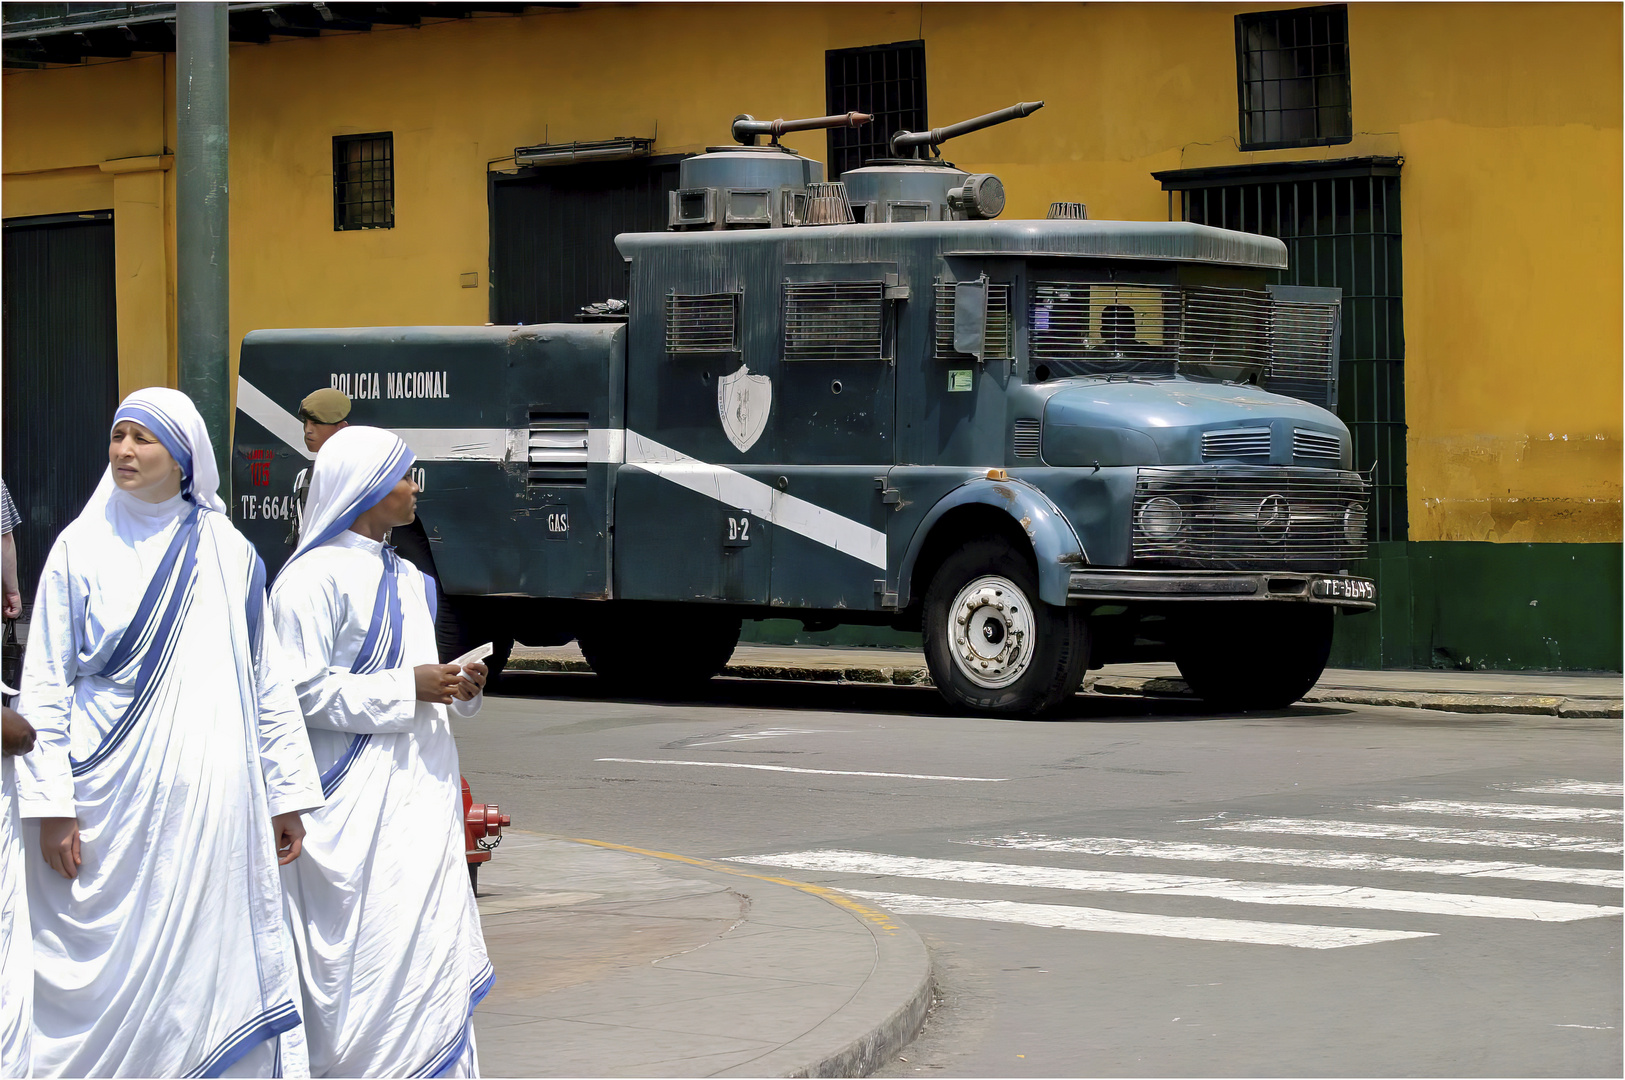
<point>202,282</point>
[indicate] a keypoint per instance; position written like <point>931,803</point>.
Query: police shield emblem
<point>743,402</point>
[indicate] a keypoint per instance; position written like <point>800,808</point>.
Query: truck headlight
<point>1354,522</point>
<point>1161,518</point>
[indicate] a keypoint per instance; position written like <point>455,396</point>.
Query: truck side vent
<point>1236,443</point>
<point>998,322</point>
<point>1025,439</point>
<point>558,449</point>
<point>834,320</point>
<point>1305,362</point>
<point>707,323</point>
<point>1316,444</point>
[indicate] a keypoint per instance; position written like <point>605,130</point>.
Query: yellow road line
<point>873,915</point>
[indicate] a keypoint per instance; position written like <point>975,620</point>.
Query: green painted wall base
<point>1505,607</point>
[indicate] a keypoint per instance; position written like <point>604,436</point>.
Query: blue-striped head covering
<point>354,470</point>
<point>177,425</point>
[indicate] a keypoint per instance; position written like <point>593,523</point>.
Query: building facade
<point>1454,168</point>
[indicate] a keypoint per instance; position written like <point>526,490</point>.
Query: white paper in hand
<point>474,656</point>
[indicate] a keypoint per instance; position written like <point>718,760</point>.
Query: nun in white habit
<point>168,778</point>
<point>390,948</point>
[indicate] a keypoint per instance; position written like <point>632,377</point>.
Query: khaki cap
<point>325,406</point>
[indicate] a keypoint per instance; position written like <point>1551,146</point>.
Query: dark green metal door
<point>60,385</point>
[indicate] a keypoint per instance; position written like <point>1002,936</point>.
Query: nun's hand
<point>18,734</point>
<point>437,683</point>
<point>289,832</point>
<point>473,681</point>
<point>59,841</point>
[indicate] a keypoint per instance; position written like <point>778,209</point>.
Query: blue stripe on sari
<point>381,649</point>
<point>168,434</point>
<point>385,477</point>
<point>268,1024</point>
<point>158,646</point>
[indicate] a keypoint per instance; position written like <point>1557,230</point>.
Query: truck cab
<point>1045,444</point>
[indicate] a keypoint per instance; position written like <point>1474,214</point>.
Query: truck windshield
<point>1102,328</point>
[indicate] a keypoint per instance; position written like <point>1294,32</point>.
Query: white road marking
<point>746,493</point>
<point>1520,811</point>
<point>1425,834</point>
<point>1575,787</point>
<point>1318,860</point>
<point>1211,888</point>
<point>1106,921</point>
<point>816,772</point>
<point>765,733</point>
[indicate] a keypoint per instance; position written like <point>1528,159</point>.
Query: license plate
<point>1345,588</point>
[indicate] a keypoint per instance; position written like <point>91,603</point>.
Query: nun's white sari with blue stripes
<point>390,948</point>
<point>154,679</point>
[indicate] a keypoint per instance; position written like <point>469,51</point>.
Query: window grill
<point>558,449</point>
<point>1226,332</point>
<point>1304,363</point>
<point>1292,71</point>
<point>997,342</point>
<point>834,320</point>
<point>1341,231</point>
<point>1102,327</point>
<point>887,81</point>
<point>364,181</point>
<point>707,323</point>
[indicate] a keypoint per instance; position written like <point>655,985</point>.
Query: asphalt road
<point>1137,888</point>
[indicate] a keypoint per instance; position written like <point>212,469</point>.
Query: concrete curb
<point>1133,686</point>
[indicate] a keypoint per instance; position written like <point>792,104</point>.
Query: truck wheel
<point>660,652</point>
<point>991,644</point>
<point>464,622</point>
<point>1253,655</point>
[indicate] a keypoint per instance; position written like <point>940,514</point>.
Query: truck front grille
<point>1236,443</point>
<point>1235,517</point>
<point>1316,444</point>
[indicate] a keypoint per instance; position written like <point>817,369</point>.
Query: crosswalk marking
<point>1103,920</point>
<point>1425,834</point>
<point>1317,860</point>
<point>1520,811</point>
<point>1575,787</point>
<point>1213,888</point>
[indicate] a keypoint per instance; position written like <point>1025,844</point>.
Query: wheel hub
<point>991,632</point>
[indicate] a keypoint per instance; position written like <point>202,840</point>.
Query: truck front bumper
<point>1103,585</point>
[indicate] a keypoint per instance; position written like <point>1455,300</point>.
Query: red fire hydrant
<point>482,831</point>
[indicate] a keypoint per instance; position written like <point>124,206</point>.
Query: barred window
<point>887,81</point>
<point>706,323</point>
<point>1292,70</point>
<point>364,181</point>
<point>997,342</point>
<point>834,320</point>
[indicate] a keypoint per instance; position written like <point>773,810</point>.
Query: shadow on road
<point>877,698</point>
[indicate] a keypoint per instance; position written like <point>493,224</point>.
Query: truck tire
<point>465,622</point>
<point>992,646</point>
<point>1254,655</point>
<point>659,652</point>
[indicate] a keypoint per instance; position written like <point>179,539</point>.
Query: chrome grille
<point>834,320</point>
<point>1025,439</point>
<point>1234,517</point>
<point>1316,444</point>
<point>1236,443</point>
<point>997,344</point>
<point>558,449</point>
<point>1304,361</point>
<point>702,324</point>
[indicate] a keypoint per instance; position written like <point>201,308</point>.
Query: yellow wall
<point>1508,117</point>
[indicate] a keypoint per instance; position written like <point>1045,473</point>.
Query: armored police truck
<point>1046,444</point>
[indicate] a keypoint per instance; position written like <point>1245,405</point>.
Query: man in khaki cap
<point>323,412</point>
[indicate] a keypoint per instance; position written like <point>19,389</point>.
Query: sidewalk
<point>1571,694</point>
<point>617,962</point>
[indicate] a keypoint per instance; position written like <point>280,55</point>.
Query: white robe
<point>16,946</point>
<point>389,941</point>
<point>168,954</point>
